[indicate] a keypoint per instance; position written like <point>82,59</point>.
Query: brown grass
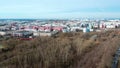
<point>69,50</point>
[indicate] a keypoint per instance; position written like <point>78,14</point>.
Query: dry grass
<point>69,50</point>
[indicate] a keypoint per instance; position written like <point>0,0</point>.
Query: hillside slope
<point>69,50</point>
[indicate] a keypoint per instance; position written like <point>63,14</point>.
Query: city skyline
<point>59,9</point>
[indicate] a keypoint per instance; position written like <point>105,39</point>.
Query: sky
<point>59,9</point>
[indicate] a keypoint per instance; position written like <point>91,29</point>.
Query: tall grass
<point>68,50</point>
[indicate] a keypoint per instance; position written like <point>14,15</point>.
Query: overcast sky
<point>59,8</point>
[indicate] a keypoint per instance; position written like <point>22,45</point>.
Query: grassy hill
<point>67,50</point>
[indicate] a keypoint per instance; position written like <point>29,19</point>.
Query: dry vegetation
<point>69,50</point>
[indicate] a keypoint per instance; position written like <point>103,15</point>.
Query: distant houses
<point>3,33</point>
<point>45,33</point>
<point>49,28</point>
<point>22,34</point>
